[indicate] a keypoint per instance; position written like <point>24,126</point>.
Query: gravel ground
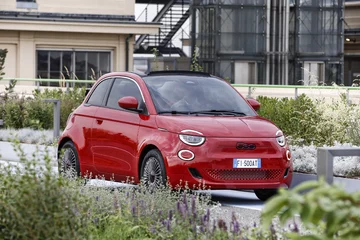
<point>250,218</point>
<point>245,217</point>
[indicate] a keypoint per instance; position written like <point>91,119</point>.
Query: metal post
<point>67,86</point>
<point>249,92</point>
<point>56,116</point>
<point>325,162</point>
<point>296,93</point>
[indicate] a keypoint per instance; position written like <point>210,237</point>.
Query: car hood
<point>240,127</point>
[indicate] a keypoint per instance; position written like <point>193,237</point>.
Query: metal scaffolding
<point>270,41</point>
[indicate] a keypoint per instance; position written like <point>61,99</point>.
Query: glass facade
<point>83,65</point>
<point>271,41</point>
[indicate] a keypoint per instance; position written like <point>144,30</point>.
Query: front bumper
<point>212,167</point>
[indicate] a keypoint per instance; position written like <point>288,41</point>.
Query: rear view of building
<point>270,41</point>
<point>72,39</point>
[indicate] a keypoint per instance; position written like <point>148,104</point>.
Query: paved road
<point>227,198</point>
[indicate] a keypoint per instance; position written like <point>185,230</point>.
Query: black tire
<point>265,194</point>
<point>68,162</point>
<point>153,172</point>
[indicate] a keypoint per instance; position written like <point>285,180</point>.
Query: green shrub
<point>34,204</point>
<point>326,211</point>
<point>37,114</point>
<point>15,113</point>
<point>69,101</point>
<point>297,118</point>
<point>40,114</point>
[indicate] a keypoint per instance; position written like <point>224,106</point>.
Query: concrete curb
<point>350,185</point>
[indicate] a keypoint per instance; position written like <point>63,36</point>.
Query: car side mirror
<point>129,103</point>
<point>254,104</point>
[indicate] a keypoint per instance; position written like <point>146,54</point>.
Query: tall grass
<point>38,203</point>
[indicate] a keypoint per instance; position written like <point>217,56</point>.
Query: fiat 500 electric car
<point>176,128</point>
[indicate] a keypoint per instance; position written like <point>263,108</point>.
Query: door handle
<point>99,121</point>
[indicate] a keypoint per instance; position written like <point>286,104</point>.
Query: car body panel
<point>219,126</point>
<point>114,142</point>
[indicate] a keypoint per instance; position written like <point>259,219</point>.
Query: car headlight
<point>192,140</point>
<point>281,140</point>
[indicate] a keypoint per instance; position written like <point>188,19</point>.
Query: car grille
<point>245,174</point>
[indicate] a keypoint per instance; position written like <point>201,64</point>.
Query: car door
<point>85,120</point>
<point>115,132</point>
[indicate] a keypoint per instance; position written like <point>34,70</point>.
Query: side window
<point>98,94</point>
<point>123,88</point>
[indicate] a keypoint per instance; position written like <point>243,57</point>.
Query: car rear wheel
<point>69,160</point>
<point>265,194</point>
<point>153,173</point>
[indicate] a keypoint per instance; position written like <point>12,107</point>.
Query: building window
<point>28,4</point>
<point>82,65</point>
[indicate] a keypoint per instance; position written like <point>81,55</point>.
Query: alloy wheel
<point>152,175</point>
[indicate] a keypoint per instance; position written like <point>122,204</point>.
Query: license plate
<point>247,163</point>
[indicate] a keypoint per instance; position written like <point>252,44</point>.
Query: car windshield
<point>192,94</point>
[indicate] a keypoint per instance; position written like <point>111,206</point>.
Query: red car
<point>175,127</point>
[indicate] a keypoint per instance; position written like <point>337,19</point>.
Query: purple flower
<point>182,211</point>
<point>208,214</point>
<point>160,214</point>
<point>178,205</point>
<point>116,204</point>
<point>236,227</point>
<point>170,214</point>
<point>214,226</point>
<point>97,198</point>
<point>193,204</point>
<point>168,225</point>
<point>133,210</point>
<point>195,216</point>
<point>204,219</point>
<point>185,201</point>
<point>294,227</point>
<point>202,229</point>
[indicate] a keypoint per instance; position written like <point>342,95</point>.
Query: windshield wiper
<point>221,112</point>
<point>175,112</point>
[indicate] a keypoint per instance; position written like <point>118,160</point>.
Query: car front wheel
<point>153,173</point>
<point>265,194</point>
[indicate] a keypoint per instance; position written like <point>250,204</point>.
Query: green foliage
<point>69,101</point>
<point>156,54</point>
<point>39,206</point>
<point>326,211</point>
<point>195,66</point>
<point>35,113</point>
<point>36,203</point>
<point>15,113</point>
<point>295,117</point>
